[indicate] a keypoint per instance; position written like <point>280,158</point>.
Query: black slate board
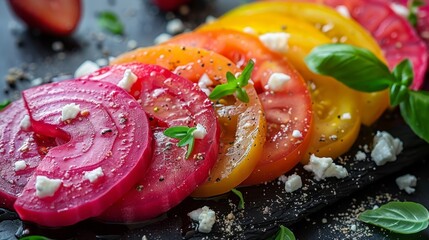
<point>267,206</point>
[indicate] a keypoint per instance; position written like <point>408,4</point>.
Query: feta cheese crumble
<point>205,217</point>
<point>277,81</point>
<point>324,167</point>
<point>94,175</point>
<point>204,83</point>
<point>386,148</point>
<point>296,134</point>
<point>175,26</point>
<point>86,68</point>
<point>277,42</point>
<point>163,37</point>
<point>19,165</point>
<point>127,80</point>
<point>200,132</point>
<point>46,187</point>
<point>70,111</point>
<point>407,182</point>
<point>293,183</point>
<point>360,156</point>
<point>25,123</point>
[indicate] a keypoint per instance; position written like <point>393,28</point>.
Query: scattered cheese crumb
<point>296,134</point>
<point>200,132</point>
<point>70,111</point>
<point>57,46</point>
<point>25,123</point>
<point>346,116</point>
<point>86,68</point>
<point>277,81</point>
<point>46,187</point>
<point>360,156</point>
<point>204,83</point>
<point>128,80</point>
<point>323,167</point>
<point>386,148</point>
<point>353,227</point>
<point>277,42</point>
<point>20,165</point>
<point>132,44</point>
<point>400,9</point>
<point>163,37</point>
<point>175,26</point>
<point>324,220</point>
<point>94,175</point>
<point>407,182</point>
<point>343,10</point>
<point>205,217</point>
<point>293,183</point>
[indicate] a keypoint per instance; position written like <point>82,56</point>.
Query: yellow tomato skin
<point>240,147</point>
<point>335,26</point>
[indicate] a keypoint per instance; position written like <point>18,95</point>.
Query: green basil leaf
<point>4,104</point>
<point>34,237</point>
<point>222,90</point>
<point>398,94</point>
<point>284,233</point>
<point>230,78</point>
<point>185,135</point>
<point>355,67</point>
<point>245,75</point>
<point>399,217</point>
<point>110,21</point>
<point>413,111</point>
<point>242,95</point>
<point>178,132</point>
<point>240,196</point>
<point>403,72</point>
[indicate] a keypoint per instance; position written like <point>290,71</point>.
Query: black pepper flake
<point>217,179</point>
<point>161,178</point>
<point>139,188</point>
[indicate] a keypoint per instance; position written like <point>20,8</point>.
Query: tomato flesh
<point>243,126</point>
<point>18,144</point>
<point>111,132</point>
<point>286,110</point>
<point>170,100</point>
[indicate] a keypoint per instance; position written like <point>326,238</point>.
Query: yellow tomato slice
<point>243,124</point>
<point>335,26</point>
<point>332,136</point>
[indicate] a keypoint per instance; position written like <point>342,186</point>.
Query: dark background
<point>28,51</point>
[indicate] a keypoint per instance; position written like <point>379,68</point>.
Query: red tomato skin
<point>123,153</point>
<point>56,17</point>
<point>171,177</point>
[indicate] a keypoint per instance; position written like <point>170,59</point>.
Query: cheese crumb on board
<point>323,167</point>
<point>293,183</point>
<point>205,217</point>
<point>386,148</point>
<point>407,182</point>
<point>86,68</point>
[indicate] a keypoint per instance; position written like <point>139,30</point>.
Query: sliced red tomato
<point>394,34</point>
<point>20,151</point>
<point>170,100</point>
<point>423,23</point>
<point>57,17</point>
<point>286,110</point>
<point>243,126</point>
<point>107,148</point>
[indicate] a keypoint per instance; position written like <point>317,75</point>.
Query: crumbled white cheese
<point>277,81</point>
<point>94,175</point>
<point>25,123</point>
<point>200,132</point>
<point>400,10</point>
<point>205,217</point>
<point>277,42</point>
<point>70,111</point>
<point>46,187</point>
<point>163,37</point>
<point>127,80</point>
<point>293,183</point>
<point>204,83</point>
<point>353,227</point>
<point>86,68</point>
<point>346,116</point>
<point>175,26</point>
<point>407,182</point>
<point>343,10</point>
<point>296,134</point>
<point>323,167</point>
<point>386,148</point>
<point>360,156</point>
<point>20,165</point>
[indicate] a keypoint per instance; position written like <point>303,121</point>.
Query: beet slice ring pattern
<point>169,100</point>
<point>106,147</point>
<point>20,151</point>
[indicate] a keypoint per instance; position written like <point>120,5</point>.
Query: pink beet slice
<point>423,22</point>
<point>110,132</point>
<point>394,34</point>
<point>20,152</point>
<point>170,100</point>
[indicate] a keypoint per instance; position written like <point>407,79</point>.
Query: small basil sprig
<point>234,85</point>
<point>399,217</point>
<point>111,22</point>
<point>361,70</point>
<point>283,233</point>
<point>4,104</point>
<point>240,196</point>
<point>34,237</point>
<point>184,134</point>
